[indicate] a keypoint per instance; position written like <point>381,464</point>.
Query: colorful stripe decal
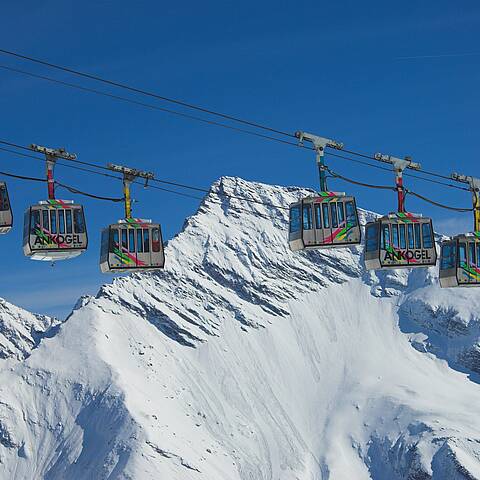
<point>472,271</point>
<point>407,217</point>
<point>340,233</point>
<point>327,197</point>
<point>126,258</point>
<point>58,204</point>
<point>327,194</point>
<point>136,222</point>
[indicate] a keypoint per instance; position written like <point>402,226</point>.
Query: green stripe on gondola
<point>404,217</point>
<point>122,256</point>
<point>343,233</point>
<point>42,235</point>
<point>470,271</point>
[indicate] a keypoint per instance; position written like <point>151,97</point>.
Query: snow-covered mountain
<point>245,361</point>
<point>22,331</point>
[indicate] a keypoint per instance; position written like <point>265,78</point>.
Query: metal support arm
<point>129,175</point>
<point>319,144</point>
<point>474,184</point>
<point>51,155</point>
<point>399,165</point>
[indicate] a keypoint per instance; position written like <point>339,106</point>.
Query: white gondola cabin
<point>400,240</point>
<point>460,255</point>
<point>328,220</point>
<point>6,216</point>
<point>54,230</point>
<point>460,261</point>
<point>325,220</point>
<point>131,246</point>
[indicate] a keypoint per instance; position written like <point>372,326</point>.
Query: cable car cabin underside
<point>133,245</point>
<point>6,216</point>
<point>54,230</point>
<point>460,261</point>
<point>329,220</point>
<point>400,240</point>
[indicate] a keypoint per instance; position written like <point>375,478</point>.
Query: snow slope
<point>22,331</point>
<point>244,360</point>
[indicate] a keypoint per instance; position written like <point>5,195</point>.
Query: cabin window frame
<point>427,240</point>
<point>139,240</point>
<point>156,244</point>
<point>318,216</point>
<point>386,236</point>
<point>307,223</point>
<point>462,253</point>
<point>326,215</point>
<point>448,259</point>
<point>146,240</point>
<point>372,243</point>
<point>418,236</point>
<point>395,236</point>
<point>351,213</point>
<point>4,200</point>
<point>402,236</point>
<point>34,221</point>
<point>410,236</point>
<point>295,221</point>
<point>131,240</point>
<point>334,215</point>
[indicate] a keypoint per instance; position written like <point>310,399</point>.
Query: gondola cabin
<point>326,221</point>
<point>6,216</point>
<point>460,261</point>
<point>131,246</point>
<point>400,240</point>
<point>54,230</point>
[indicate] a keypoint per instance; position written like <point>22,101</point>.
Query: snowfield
<point>245,361</point>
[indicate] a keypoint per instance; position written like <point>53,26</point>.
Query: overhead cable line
<point>146,105</point>
<point>230,127</point>
<point>426,172</point>
<point>441,205</point>
<point>203,190</point>
<point>406,174</point>
<point>380,187</point>
<point>189,187</point>
<point>144,92</point>
<point>23,177</point>
<point>383,187</point>
<point>97,197</point>
<point>180,185</point>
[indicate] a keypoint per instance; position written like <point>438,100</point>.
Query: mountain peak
<point>244,360</point>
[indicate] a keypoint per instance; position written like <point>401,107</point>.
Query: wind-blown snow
<point>244,360</point>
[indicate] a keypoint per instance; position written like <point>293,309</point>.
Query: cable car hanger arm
<point>319,145</point>
<point>399,165</point>
<point>474,184</point>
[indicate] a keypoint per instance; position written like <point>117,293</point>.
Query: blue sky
<point>332,68</point>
